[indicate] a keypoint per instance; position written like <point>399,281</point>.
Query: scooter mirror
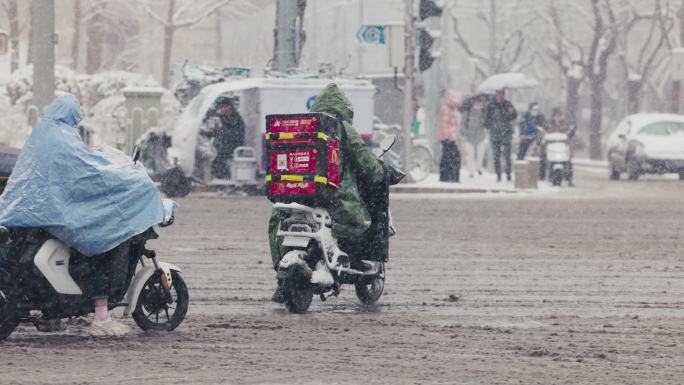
<point>387,142</point>
<point>136,154</point>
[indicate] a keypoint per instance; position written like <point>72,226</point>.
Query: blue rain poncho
<point>89,199</point>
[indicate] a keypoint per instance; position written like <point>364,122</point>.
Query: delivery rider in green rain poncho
<point>360,171</point>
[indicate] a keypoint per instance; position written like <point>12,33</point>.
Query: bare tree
<point>579,60</point>
<point>76,39</point>
<point>509,54</point>
<point>178,16</point>
<point>639,67</point>
<point>11,9</point>
<point>569,56</point>
<point>603,45</point>
<point>94,21</point>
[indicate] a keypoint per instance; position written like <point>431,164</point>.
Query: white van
<point>258,97</point>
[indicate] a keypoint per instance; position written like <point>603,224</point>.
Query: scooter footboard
<point>138,282</point>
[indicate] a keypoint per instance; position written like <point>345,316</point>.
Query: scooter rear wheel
<point>153,312</point>
<point>8,317</point>
<point>370,291</point>
<point>175,184</point>
<point>298,298</point>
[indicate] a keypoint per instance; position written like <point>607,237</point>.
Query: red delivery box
<point>303,157</point>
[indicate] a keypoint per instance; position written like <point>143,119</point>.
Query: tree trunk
<point>14,34</point>
<point>219,38</point>
<point>168,44</point>
<point>595,148</point>
<point>76,40</point>
<point>572,100</point>
<point>95,33</point>
<point>492,37</point>
<point>29,54</point>
<point>633,96</point>
<point>676,96</point>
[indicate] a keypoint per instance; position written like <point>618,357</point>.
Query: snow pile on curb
<point>485,183</point>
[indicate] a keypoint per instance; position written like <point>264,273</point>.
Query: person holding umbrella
<point>474,132</point>
<point>498,117</point>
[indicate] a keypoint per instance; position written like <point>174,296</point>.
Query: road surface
<point>581,285</point>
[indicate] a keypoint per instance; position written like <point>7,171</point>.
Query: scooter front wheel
<point>175,184</point>
<point>370,290</point>
<point>8,317</point>
<point>556,177</point>
<point>154,312</point>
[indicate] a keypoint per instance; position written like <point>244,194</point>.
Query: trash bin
<point>243,167</point>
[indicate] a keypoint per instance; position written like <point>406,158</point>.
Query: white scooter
<point>556,157</point>
<point>314,263</point>
<point>38,282</point>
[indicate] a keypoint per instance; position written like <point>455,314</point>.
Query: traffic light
<point>426,37</point>
<point>426,56</point>
<point>430,8</point>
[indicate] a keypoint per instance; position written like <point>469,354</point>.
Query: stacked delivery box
<point>303,157</point>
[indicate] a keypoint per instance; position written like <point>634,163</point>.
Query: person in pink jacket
<point>447,133</point>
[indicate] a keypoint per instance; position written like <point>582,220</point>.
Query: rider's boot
<point>279,294</point>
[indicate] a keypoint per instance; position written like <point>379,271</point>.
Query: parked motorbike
<point>556,157</point>
<point>314,263</point>
<point>422,157</point>
<point>41,279</point>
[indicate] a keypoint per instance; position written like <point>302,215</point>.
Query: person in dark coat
<point>531,120</point>
<point>228,135</point>
<point>499,115</point>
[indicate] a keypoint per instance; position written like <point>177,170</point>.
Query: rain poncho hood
<point>334,102</point>
<point>91,200</point>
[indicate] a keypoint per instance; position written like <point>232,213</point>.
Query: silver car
<point>647,143</point>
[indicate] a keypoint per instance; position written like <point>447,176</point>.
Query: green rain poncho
<point>359,166</point>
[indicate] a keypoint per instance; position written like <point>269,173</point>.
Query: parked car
<point>647,143</point>
<point>8,157</point>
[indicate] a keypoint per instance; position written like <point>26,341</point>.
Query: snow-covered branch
<point>206,12</point>
<point>153,14</point>
<point>462,41</point>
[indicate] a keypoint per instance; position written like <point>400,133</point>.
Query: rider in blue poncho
<point>91,200</point>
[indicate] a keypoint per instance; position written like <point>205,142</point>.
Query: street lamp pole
<point>410,49</point>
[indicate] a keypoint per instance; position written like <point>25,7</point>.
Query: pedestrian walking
<point>447,133</point>
<point>499,115</point>
<point>531,120</point>
<point>474,134</point>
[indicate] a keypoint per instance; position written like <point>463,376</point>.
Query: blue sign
<point>372,34</point>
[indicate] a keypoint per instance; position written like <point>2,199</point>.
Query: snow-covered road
<point>581,285</point>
